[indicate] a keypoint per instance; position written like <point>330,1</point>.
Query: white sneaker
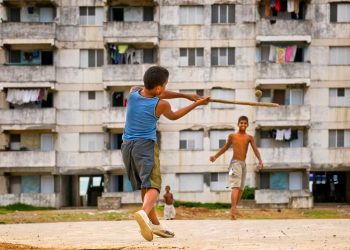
<point>144,223</point>
<point>162,231</point>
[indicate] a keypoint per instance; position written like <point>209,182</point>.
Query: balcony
<point>334,158</point>
<point>80,160</point>
<point>113,160</point>
<point>27,159</point>
<point>210,117</point>
<point>125,74</point>
<point>80,34</point>
<point>28,117</point>
<point>134,32</point>
<point>283,116</point>
<point>283,28</point>
<point>28,33</point>
<point>290,70</point>
<point>114,117</point>
<point>286,158</point>
<point>192,161</point>
<point>207,32</point>
<point>79,117</point>
<point>26,73</point>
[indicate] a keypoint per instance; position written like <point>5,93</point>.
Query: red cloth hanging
<point>278,5</point>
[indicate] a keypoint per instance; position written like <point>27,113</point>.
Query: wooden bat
<point>264,104</point>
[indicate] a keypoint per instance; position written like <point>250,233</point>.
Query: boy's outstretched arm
<point>171,95</point>
<point>222,150</point>
<point>164,108</point>
<point>256,152</point>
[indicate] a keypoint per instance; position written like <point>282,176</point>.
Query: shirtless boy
<point>238,169</point>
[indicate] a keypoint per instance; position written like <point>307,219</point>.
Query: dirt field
<point>196,228</point>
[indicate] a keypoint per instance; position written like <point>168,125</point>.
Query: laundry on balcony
<point>273,8</point>
<point>282,54</point>
<point>21,96</point>
<point>124,54</point>
<point>287,134</point>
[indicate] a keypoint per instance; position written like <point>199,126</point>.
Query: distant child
<point>169,209</point>
<point>237,169</point>
<point>139,148</point>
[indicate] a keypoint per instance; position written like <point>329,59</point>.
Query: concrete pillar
<point>75,191</point>
<point>106,179</point>
<point>4,184</point>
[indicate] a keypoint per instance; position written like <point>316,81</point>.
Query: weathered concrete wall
<point>28,116</point>
<point>28,30</point>
<point>27,159</point>
<point>40,200</point>
<point>27,74</point>
<point>292,199</point>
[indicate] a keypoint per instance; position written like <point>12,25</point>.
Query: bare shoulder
<point>162,106</point>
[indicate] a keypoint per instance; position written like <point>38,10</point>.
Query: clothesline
<point>21,96</point>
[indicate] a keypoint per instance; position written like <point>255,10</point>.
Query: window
<point>91,58</point>
<point>117,14</point>
<point>91,15</point>
<point>14,15</point>
<point>120,183</point>
<point>222,56</point>
<point>223,13</point>
<point>15,141</point>
<point>148,14</point>
<point>218,138</point>
<point>339,55</point>
<point>190,182</point>
<point>47,142</point>
<point>191,57</point>
<point>91,95</point>
<point>339,138</point>
<point>191,140</point>
<point>227,94</point>
<point>184,102</point>
<point>282,180</point>
<point>15,56</point>
<point>118,99</point>
<point>91,100</point>
<point>340,12</point>
<point>116,141</point>
<point>219,181</point>
<point>148,56</point>
<point>30,184</point>
<point>339,97</point>
<point>48,103</point>
<point>191,15</point>
<point>91,142</point>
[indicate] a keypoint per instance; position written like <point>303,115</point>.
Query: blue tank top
<point>141,119</point>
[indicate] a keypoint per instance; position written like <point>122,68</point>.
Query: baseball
<point>258,93</point>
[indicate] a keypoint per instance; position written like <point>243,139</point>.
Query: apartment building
<point>67,68</point>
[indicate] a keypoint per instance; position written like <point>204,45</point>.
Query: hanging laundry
<point>268,11</point>
<point>272,53</point>
<point>278,5</point>
<point>41,94</point>
<point>279,134</point>
<point>290,53</point>
<point>290,6</point>
<point>296,6</point>
<point>272,3</point>
<point>122,48</point>
<point>287,134</point>
<point>283,5</point>
<point>280,55</point>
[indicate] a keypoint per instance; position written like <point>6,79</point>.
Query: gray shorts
<point>237,174</point>
<point>141,160</point>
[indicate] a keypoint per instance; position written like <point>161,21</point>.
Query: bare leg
<point>149,198</point>
<point>234,201</point>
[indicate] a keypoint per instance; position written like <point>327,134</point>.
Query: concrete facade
<point>78,135</point>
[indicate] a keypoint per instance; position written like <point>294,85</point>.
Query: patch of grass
<point>248,193</point>
<point>203,205</point>
<point>320,214</point>
<point>23,207</point>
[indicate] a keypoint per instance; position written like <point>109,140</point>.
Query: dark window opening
<point>148,14</point>
<point>118,99</point>
<point>46,58</point>
<point>14,15</point>
<point>117,14</point>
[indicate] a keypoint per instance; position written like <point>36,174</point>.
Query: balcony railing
<point>27,159</point>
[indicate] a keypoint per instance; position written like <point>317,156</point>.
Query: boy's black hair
<point>243,118</point>
<point>155,76</point>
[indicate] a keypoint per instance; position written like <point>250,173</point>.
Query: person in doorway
<point>237,169</point>
<point>169,209</point>
<point>139,148</point>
